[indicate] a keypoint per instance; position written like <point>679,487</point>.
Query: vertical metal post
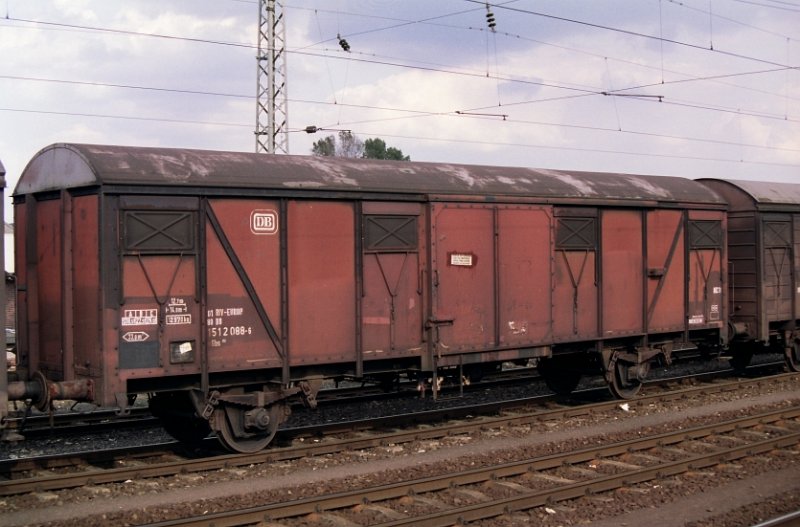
<point>359,300</point>
<point>202,280</point>
<point>67,292</point>
<point>645,279</point>
<point>4,363</point>
<point>283,229</point>
<point>272,116</point>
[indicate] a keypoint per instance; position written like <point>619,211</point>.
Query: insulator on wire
<point>343,43</point>
<point>490,18</point>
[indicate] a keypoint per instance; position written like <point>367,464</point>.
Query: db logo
<point>264,222</point>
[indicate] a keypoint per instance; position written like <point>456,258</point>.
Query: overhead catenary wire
<point>361,59</point>
<point>440,69</point>
<point>637,34</point>
<point>784,6</point>
<point>587,92</point>
<point>409,114</point>
<point>431,139</point>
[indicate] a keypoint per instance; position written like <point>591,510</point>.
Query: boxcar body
<point>224,283</point>
<point>764,268</point>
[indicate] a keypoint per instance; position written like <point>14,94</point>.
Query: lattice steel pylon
<point>272,114</point>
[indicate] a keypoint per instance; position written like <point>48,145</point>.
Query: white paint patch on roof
<point>581,185</point>
<point>331,173</point>
<point>461,173</point>
<point>177,169</point>
<point>649,188</point>
<point>506,181</point>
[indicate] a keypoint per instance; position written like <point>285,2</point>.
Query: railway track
<point>42,425</point>
<point>69,471</point>
<point>499,489</point>
<point>504,488</point>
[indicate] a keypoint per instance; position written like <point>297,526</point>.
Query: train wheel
<point>792,356</point>
<point>558,375</point>
<point>626,378</point>
<point>176,413</point>
<point>247,430</point>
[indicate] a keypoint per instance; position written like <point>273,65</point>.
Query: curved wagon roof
<point>75,165</point>
<point>762,195</point>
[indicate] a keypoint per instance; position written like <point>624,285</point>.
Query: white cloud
<point>535,133</point>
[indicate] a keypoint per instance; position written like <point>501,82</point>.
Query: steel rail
<point>40,424</point>
<point>278,511</point>
<point>101,476</point>
<point>791,519</point>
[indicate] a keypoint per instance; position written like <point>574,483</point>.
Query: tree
<point>348,145</point>
<point>324,147</point>
<point>376,149</point>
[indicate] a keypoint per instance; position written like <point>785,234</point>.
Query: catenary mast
<point>272,117</point>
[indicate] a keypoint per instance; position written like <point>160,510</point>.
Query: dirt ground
<point>746,494</point>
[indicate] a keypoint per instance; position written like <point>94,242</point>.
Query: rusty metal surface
<point>49,289</point>
<point>666,271</point>
<point>464,271</point>
<point>72,165</point>
<point>622,273</point>
<point>707,277</point>
<point>322,293</point>
<point>238,338</point>
<point>764,252</point>
<point>523,291</point>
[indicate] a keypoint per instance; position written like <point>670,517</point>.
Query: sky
<point>690,88</point>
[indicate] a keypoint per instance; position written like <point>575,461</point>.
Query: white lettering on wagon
<point>263,221</point>
<point>140,317</point>
<point>178,320</point>
<point>177,312</point>
<point>135,336</point>
<point>221,329</point>
<point>462,259</point>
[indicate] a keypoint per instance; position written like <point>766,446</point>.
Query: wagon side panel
<point>575,274</point>
<point>622,272</point>
<point>706,273</point>
<point>796,283</point>
<point>777,257</point>
<point>322,285</point>
<point>665,271</point>
<point>87,316</point>
<point>48,266</point>
<point>22,235</point>
<point>243,313</point>
<point>524,263</point>
<point>158,308</point>
<point>392,296</point>
<point>743,269</point>
<point>463,277</point>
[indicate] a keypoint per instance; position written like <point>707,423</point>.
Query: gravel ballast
<point>137,502</point>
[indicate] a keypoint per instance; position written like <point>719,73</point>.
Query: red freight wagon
<point>764,269</point>
<point>224,283</point>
